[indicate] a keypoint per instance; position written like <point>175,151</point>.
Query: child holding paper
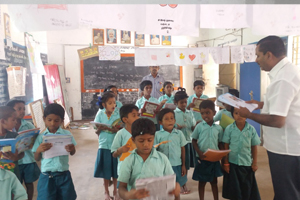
<point>174,149</point>
<point>8,122</point>
<point>167,91</point>
<point>29,170</point>
<point>199,87</point>
<point>55,180</point>
<point>144,162</point>
<point>207,135</point>
<point>106,164</point>
<point>146,87</point>
<point>185,122</point>
<point>239,180</point>
<point>121,145</point>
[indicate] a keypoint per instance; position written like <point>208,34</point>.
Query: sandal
<point>116,196</point>
<point>107,197</point>
<point>184,190</point>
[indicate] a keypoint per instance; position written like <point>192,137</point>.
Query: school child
<point>55,181</point>
<point>8,122</point>
<point>199,87</point>
<point>239,181</point>
<point>207,135</point>
<point>29,170</point>
<point>128,114</point>
<point>9,184</point>
<point>114,89</point>
<point>144,162</point>
<point>106,164</point>
<point>146,87</point>
<point>226,111</point>
<point>167,91</point>
<point>174,149</point>
<point>185,122</point>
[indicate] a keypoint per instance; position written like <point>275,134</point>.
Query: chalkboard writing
<point>99,74</point>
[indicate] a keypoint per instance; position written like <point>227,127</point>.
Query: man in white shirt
<point>157,81</point>
<point>280,117</point>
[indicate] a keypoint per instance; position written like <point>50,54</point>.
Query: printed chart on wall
<point>97,74</point>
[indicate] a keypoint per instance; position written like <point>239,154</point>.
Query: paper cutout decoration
<point>237,54</point>
<point>109,53</point>
<point>131,146</point>
<point>16,78</point>
<point>204,55</point>
<point>249,53</point>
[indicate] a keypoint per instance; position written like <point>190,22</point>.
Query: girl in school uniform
<point>114,89</point>
<point>106,164</point>
<point>239,180</point>
<point>185,122</point>
<point>167,90</point>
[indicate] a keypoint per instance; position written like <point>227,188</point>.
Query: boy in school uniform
<point>226,111</point>
<point>9,184</point>
<point>128,114</point>
<point>29,170</point>
<point>199,87</point>
<point>146,87</point>
<point>144,162</point>
<point>55,180</point>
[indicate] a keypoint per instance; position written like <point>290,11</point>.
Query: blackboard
<point>97,75</point>
<point>15,56</point>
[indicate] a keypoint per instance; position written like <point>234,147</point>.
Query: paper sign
<point>237,54</point>
<point>249,53</point>
<point>59,143</point>
<point>16,78</point>
<point>88,52</point>
<point>109,53</point>
<point>225,55</point>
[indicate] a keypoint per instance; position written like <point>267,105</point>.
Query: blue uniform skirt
<point>240,184</point>
<point>29,172</point>
<point>190,156</point>
<point>179,179</point>
<point>206,171</point>
<point>105,165</point>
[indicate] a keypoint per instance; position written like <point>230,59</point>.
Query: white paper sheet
<point>16,78</point>
<point>249,53</point>
<point>109,53</point>
<point>225,55</point>
<point>58,146</point>
<point>216,54</point>
<point>276,19</point>
<point>225,16</point>
<point>237,54</point>
<point>158,187</point>
<point>2,46</point>
<point>236,102</point>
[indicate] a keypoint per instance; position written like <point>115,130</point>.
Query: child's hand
<point>100,128</point>
<point>176,191</point>
<point>191,105</point>
<point>44,147</point>
<point>11,156</point>
<point>180,127</point>
<point>201,156</point>
<point>163,102</point>
<point>70,148</point>
<point>143,110</point>
<point>254,167</point>
<point>114,129</point>
<point>226,168</point>
<point>125,148</point>
<point>138,194</point>
<point>183,170</point>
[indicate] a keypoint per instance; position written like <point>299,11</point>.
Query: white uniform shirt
<point>282,98</point>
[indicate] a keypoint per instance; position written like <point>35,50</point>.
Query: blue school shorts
<point>179,179</point>
<point>29,172</point>
<point>56,186</point>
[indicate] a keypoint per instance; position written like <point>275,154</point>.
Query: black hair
<point>144,84</point>
<point>199,82</point>
<point>55,109</point>
<point>162,113</point>
<point>126,109</point>
<point>232,110</point>
<point>143,126</point>
<point>207,104</point>
<point>6,112</point>
<point>108,88</point>
<point>273,44</point>
<point>180,94</point>
<point>165,84</point>
<point>12,103</point>
<point>105,97</point>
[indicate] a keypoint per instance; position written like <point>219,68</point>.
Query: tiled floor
<point>90,188</point>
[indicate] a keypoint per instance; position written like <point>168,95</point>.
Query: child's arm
<point>254,156</point>
<point>71,149</point>
<point>42,148</point>
<point>226,165</point>
<point>200,153</point>
<point>13,156</point>
<point>100,128</point>
<point>191,105</point>
<point>132,194</point>
<point>183,168</point>
<point>122,149</point>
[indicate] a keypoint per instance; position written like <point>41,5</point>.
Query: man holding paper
<point>280,117</point>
